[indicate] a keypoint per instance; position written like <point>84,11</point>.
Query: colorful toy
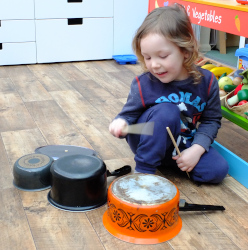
<point>124,59</point>
<point>241,95</point>
<point>225,80</point>
<point>208,66</point>
<point>244,82</point>
<point>218,71</point>
<point>229,88</point>
<point>245,75</point>
<point>238,88</point>
<point>242,102</point>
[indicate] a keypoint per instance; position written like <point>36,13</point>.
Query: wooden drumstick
<point>175,144</point>
<point>145,128</point>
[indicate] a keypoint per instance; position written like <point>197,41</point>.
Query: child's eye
<point>147,58</point>
<point>163,57</point>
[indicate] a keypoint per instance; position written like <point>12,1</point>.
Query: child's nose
<point>155,64</point>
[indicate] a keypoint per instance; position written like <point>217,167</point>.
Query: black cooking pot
<point>79,182</point>
<point>32,172</point>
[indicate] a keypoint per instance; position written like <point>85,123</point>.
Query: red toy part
<point>242,102</point>
<point>242,2</point>
<point>238,88</point>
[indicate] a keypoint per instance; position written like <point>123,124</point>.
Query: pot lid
<point>58,151</point>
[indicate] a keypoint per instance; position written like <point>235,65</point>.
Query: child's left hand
<point>189,157</point>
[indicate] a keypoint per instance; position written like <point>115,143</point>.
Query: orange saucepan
<point>143,209</point>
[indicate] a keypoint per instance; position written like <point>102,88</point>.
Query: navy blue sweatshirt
<point>197,103</point>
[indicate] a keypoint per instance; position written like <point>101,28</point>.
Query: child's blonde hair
<point>173,23</point>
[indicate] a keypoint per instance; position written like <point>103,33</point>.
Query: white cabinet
<point>17,32</point>
<point>44,31</point>
<point>73,30</point>
<point>78,39</point>
<point>47,9</point>
<point>17,53</point>
<point>16,9</point>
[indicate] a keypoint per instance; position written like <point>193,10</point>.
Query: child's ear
<point>186,54</point>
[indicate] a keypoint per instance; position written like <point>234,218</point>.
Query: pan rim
<point>74,209</point>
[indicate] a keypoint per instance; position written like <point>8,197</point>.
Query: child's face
<point>163,58</point>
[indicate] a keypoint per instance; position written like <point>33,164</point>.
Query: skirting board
<point>238,168</point>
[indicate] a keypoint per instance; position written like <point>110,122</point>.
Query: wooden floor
<point>72,104</point>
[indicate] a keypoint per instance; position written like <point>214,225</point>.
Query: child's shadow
<point>172,172</point>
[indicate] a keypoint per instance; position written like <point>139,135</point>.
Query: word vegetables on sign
<point>207,16</point>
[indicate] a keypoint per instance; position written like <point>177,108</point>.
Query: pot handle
<point>185,206</point>
<point>120,171</point>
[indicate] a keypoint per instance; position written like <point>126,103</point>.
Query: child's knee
<point>212,175</point>
<point>165,112</point>
<point>221,172</point>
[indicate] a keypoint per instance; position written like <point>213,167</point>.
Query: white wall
<point>128,16</point>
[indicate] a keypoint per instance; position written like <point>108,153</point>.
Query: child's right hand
<point>116,127</point>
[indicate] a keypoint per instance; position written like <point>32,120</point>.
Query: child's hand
<point>189,157</point>
<point>116,127</point>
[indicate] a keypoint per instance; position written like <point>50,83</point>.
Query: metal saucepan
<point>144,209</point>
<point>32,172</point>
<point>79,182</point>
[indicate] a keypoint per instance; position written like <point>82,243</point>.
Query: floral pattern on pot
<point>142,222</point>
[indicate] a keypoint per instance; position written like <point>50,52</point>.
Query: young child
<point>172,93</point>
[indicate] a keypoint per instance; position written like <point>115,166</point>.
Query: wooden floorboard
<point>73,104</point>
<point>15,229</point>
